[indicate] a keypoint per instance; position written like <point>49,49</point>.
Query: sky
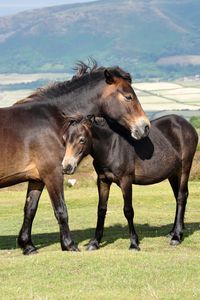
<point>13,6</point>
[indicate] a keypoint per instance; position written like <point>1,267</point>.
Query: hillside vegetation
<point>136,34</point>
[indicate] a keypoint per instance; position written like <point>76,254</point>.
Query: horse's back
<point>179,132</point>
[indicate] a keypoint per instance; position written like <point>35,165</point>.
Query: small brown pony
<point>167,153</point>
<point>31,146</point>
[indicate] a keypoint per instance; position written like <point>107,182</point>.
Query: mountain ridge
<point>135,34</point>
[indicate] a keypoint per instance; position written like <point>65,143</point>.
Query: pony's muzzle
<point>69,166</point>
<point>140,130</point>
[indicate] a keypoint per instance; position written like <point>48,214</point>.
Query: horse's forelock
<point>118,72</point>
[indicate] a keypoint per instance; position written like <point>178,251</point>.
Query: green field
<point>158,271</point>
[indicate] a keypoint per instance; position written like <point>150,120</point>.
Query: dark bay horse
<point>31,143</point>
<point>167,153</point>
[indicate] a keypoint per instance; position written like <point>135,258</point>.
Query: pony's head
<point>77,137</point>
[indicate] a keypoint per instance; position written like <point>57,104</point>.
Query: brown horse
<point>31,143</point>
<point>167,153</point>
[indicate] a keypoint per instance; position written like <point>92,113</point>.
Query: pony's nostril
<point>68,169</point>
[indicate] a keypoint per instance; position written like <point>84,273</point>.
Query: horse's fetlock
<point>24,240</point>
<point>93,245</point>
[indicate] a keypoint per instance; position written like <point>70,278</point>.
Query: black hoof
<point>30,250</point>
<point>71,247</point>
<point>175,242</point>
<point>93,246</point>
<point>74,249</point>
<point>134,247</point>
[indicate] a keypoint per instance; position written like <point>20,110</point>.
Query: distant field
<point>156,96</point>
<point>25,78</point>
<point>8,97</point>
<point>169,96</point>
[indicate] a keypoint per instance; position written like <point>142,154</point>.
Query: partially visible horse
<point>31,143</point>
<point>167,153</point>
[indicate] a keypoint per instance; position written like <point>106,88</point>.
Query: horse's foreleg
<point>180,188</point>
<point>32,198</point>
<point>103,190</point>
<point>126,187</point>
<point>54,184</point>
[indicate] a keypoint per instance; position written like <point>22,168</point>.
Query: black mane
<point>82,69</point>
<point>85,73</point>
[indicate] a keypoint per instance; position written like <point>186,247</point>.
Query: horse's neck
<point>86,102</point>
<point>101,135</point>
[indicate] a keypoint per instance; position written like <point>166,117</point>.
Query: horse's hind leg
<point>32,198</point>
<point>179,185</point>
<point>103,190</point>
<point>126,187</point>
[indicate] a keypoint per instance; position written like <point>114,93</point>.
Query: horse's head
<point>78,139</point>
<point>120,103</point>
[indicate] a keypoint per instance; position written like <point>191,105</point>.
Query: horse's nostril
<point>146,130</point>
<point>68,169</point>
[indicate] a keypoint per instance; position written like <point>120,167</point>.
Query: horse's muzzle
<point>69,169</point>
<point>140,130</point>
<point>69,166</point>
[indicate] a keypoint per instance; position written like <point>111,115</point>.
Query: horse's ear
<point>90,119</point>
<point>108,76</point>
<point>67,121</point>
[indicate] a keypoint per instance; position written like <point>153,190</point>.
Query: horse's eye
<point>128,98</point>
<point>82,140</point>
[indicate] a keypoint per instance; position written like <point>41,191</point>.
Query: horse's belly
<point>13,176</point>
<point>11,180</point>
<point>156,169</point>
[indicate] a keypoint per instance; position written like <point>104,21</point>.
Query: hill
<point>139,35</point>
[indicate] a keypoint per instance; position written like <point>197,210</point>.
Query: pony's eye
<point>128,98</point>
<point>82,140</point>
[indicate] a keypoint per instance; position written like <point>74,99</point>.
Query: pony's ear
<point>108,76</point>
<point>73,122</point>
<point>91,118</point>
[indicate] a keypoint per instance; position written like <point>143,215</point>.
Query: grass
<point>158,271</point>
